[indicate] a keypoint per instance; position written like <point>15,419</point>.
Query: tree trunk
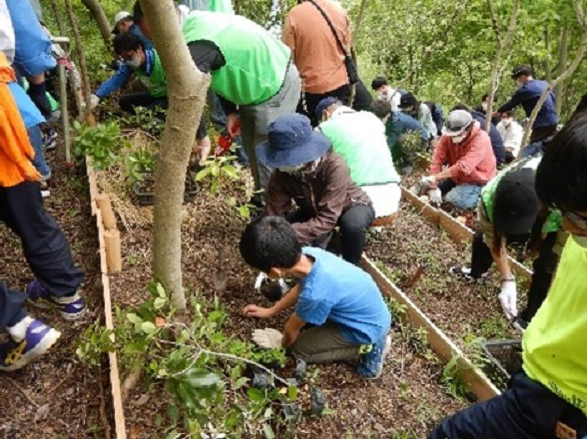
<point>62,31</point>
<point>503,42</point>
<point>98,14</point>
<point>562,65</point>
<point>81,55</point>
<point>566,73</point>
<point>547,70</point>
<point>359,20</point>
<point>186,89</point>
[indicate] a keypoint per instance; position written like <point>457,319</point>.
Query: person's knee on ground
<point>464,197</point>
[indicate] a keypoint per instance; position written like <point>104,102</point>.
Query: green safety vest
<point>359,137</point>
<point>156,82</point>
<point>554,221</point>
<point>256,61</point>
<point>223,6</point>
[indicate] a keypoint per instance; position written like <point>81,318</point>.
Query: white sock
<point>18,331</point>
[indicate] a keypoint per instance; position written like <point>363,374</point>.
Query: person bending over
<point>547,398</point>
<point>338,311</point>
<point>309,173</point>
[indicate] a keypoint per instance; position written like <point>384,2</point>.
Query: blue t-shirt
<point>339,292</point>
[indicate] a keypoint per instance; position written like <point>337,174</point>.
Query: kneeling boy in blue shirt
<point>339,312</point>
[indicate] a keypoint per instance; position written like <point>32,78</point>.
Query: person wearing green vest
<point>509,213</point>
<point>222,6</point>
<point>359,138</point>
<point>547,398</point>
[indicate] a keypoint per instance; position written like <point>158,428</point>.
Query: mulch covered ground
<point>58,397</point>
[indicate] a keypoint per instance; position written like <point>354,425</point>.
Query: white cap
<point>121,16</point>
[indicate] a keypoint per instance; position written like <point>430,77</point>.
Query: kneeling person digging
<point>339,313</point>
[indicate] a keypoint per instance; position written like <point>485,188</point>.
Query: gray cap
<point>457,122</point>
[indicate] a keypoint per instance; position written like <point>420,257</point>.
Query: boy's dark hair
<point>378,82</point>
<point>561,178</point>
<point>461,106</point>
<point>381,108</point>
<point>137,12</point>
<point>270,242</point>
<point>124,20</point>
<point>510,113</point>
<point>126,42</point>
<point>522,70</point>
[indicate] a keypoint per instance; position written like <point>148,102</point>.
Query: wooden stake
<point>113,254</point>
<point>108,217</point>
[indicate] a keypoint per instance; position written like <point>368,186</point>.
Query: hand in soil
<point>257,311</point>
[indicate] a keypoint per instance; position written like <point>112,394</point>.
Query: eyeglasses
<point>576,220</point>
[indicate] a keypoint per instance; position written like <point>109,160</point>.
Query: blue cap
<point>291,141</point>
<point>324,104</point>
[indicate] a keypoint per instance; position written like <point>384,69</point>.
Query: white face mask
<point>581,240</point>
<point>506,122</point>
<point>135,62</point>
<point>459,139</point>
<point>484,106</point>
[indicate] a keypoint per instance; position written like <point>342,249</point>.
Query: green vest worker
<point>509,211</point>
<point>359,138</point>
<point>252,73</point>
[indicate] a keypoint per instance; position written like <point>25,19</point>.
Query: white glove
<point>427,181</point>
<point>259,281</point>
<point>435,196</point>
<point>94,101</point>
<point>508,298</point>
<point>268,338</point>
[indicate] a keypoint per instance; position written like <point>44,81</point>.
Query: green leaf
<point>256,394</point>
<point>159,302</point>
<point>133,318</point>
<point>202,174</point>
<point>244,212</point>
<point>148,327</point>
<point>230,171</point>
<point>199,378</point>
<point>160,290</point>
<point>292,393</point>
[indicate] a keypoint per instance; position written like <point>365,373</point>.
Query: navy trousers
<point>45,248</point>
<point>526,410</point>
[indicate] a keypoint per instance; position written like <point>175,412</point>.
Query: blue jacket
<point>527,96</point>
<point>496,140</point>
<point>134,29</point>
<point>33,47</point>
<point>123,74</point>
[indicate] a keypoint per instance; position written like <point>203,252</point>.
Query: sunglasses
<point>576,220</point>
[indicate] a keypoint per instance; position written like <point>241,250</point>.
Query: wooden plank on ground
<point>457,231</point>
<point>475,380</point>
<point>119,420</point>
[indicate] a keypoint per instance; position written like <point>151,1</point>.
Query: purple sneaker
<point>38,339</point>
<point>70,307</point>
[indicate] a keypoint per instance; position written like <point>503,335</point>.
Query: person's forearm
<point>500,257</point>
<point>289,300</point>
<point>443,175</point>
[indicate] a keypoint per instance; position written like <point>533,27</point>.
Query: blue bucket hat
<point>324,104</point>
<point>291,141</point>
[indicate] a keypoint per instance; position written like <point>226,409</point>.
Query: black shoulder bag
<point>351,68</point>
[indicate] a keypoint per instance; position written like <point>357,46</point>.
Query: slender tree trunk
<point>58,19</point>
<point>562,65</point>
<point>81,55</point>
<point>186,89</point>
<point>503,42</point>
<point>359,20</point>
<point>547,70</point>
<point>566,73</point>
<point>98,14</point>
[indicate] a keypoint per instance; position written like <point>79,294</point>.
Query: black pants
<point>129,101</point>
<point>446,186</point>
<point>527,410</point>
<point>45,248</point>
<point>312,100</point>
<point>544,267</point>
<point>543,133</point>
<point>11,307</point>
<point>352,223</point>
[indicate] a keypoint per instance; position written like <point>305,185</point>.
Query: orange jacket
<point>16,151</point>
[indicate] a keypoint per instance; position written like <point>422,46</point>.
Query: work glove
<point>435,196</point>
<point>94,101</point>
<point>428,181</point>
<point>268,338</point>
<point>508,299</point>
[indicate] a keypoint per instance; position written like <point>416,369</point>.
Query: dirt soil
<point>406,399</point>
<point>463,310</point>
<point>57,397</point>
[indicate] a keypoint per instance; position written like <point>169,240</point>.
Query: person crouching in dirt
<point>45,247</point>
<point>547,398</point>
<point>465,150</point>
<point>359,138</point>
<point>509,212</point>
<point>308,172</point>
<point>339,313</point>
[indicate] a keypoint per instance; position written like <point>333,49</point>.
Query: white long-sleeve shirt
<point>7,43</point>
<point>512,136</point>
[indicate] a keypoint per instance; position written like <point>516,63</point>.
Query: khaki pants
<point>324,344</point>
